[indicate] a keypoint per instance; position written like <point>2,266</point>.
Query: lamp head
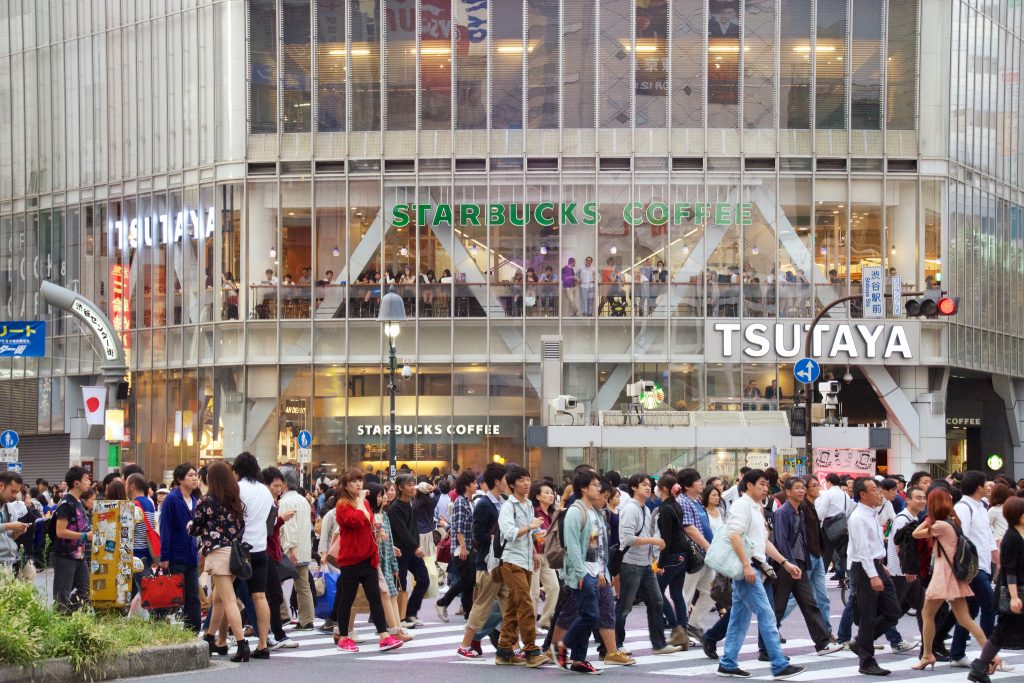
<point>392,308</point>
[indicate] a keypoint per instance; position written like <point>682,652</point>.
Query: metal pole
<point>392,452</point>
<point>808,387</point>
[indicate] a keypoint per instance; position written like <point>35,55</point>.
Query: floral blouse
<point>215,527</point>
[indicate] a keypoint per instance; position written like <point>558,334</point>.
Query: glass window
<point>332,215</point>
<point>830,65</point>
<point>507,65</point>
<point>686,249</point>
<point>830,222</point>
<point>579,242</point>
<point>759,64</point>
<point>365,230</point>
<point>542,61</point>
<point>296,265</point>
<point>901,64</point>
<point>400,64</point>
<point>436,64</point>
<point>795,65</point>
<point>759,251</point>
<point>795,244</point>
<point>651,63</point>
<point>865,228</point>
<point>228,242</point>
<point>542,252</point>
<point>297,68</point>
<point>262,224</point>
<point>933,198</point>
<point>505,256</point>
<point>364,59</point>
<point>723,275</point>
<point>262,66</point>
<point>723,63</point>
<point>471,67</point>
<point>866,69</point>
<point>614,49</point>
<point>331,65</point>
<point>647,273</point>
<point>578,60</point>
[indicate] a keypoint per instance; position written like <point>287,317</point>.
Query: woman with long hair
<point>542,495</point>
<point>1009,631</point>
<point>996,519</point>
<point>672,561</point>
<point>944,586</point>
<point>358,559</point>
<point>219,522</point>
<point>387,571</point>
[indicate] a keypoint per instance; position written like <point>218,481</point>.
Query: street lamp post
<point>392,314</point>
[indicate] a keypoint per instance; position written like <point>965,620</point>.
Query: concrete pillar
<point>912,451</point>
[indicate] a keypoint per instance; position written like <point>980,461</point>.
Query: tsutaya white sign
<point>163,229</point>
<point>866,341</point>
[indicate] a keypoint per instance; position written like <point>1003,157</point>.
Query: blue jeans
<point>578,636</point>
<point>750,599</point>
<point>673,578</point>
<point>493,622</point>
<point>845,633</point>
<point>816,576</point>
<point>983,599</point>
<point>636,580</point>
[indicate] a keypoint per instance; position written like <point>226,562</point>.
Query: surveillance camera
<point>406,372</point>
<point>827,388</point>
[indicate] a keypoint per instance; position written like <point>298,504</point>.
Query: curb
<point>148,662</point>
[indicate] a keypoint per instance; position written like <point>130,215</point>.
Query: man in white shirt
<point>829,505</point>
<point>587,279</point>
<point>974,522</point>
<point>258,503</point>
<point>731,494</point>
<point>876,596</point>
<point>909,588</point>
<point>296,544</point>
<point>746,528</point>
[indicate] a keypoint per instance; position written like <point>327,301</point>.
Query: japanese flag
<point>95,399</point>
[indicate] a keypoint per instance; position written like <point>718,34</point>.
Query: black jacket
<point>485,519</point>
<point>403,527</point>
<point>670,525</point>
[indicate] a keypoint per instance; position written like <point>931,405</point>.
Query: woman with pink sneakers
<point>355,554</point>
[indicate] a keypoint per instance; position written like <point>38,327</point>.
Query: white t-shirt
<point>258,501</point>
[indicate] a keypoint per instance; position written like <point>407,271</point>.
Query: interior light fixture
<point>613,250</point>
<point>272,253</point>
<point>473,250</point>
<point>335,251</point>
<point>403,251</point>
<point>544,251</point>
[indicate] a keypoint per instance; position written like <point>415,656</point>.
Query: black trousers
<point>275,597</point>
<point>876,612</point>
<point>465,584</point>
<point>800,589</point>
<point>409,563</point>
<point>192,611</point>
<point>352,577</point>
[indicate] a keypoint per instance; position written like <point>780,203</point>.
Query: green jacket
<point>575,540</point>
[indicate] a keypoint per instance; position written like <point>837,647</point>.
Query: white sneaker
<point>904,646</point>
<point>829,649</point>
<point>442,613</point>
<point>668,649</point>
<point>961,663</point>
<point>285,644</point>
<point>357,637</point>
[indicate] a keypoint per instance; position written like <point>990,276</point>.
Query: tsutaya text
<point>845,339</point>
<point>163,228</point>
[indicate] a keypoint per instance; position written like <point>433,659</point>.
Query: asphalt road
<point>432,653</point>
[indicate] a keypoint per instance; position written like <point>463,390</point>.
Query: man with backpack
<point>463,552</point>
<point>70,535</point>
<point>974,521</point>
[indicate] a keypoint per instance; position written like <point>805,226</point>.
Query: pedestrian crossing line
<point>488,654</point>
<point>960,676</point>
<point>896,666</point>
<point>710,669</point>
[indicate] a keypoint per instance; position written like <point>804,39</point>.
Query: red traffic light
<point>948,306</point>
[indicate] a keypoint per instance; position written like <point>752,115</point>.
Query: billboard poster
<point>856,462</point>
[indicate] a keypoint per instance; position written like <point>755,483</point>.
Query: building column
<point>1012,392</point>
<point>914,401</point>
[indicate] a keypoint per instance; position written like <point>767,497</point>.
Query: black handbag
<point>615,555</point>
<point>694,556</point>
<point>241,563</point>
<point>286,569</point>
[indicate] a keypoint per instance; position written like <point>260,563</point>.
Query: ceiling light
<point>272,253</point>
<point>335,252</point>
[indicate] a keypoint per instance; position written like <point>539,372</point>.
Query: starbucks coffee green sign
<point>547,214</point>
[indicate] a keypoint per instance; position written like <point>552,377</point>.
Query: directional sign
<point>9,439</point>
<point>873,292</point>
<point>20,339</point>
<point>305,439</point>
<point>305,455</point>
<point>8,455</point>
<point>807,370</point>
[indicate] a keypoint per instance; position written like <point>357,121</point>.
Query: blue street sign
<point>9,439</point>
<point>807,370</point>
<point>22,339</point>
<point>305,439</point>
<point>16,467</point>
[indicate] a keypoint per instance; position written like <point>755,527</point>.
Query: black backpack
<point>906,548</point>
<point>964,561</point>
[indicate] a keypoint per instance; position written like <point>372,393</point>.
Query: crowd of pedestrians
<point>545,572</point>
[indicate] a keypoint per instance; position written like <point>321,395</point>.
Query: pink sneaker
<point>389,642</point>
<point>348,645</point>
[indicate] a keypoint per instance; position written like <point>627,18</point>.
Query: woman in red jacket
<point>357,559</point>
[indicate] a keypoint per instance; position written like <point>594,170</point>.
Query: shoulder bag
<point>617,554</point>
<point>723,559</point>
<point>241,564</point>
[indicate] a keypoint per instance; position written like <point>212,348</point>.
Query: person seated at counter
<point>427,296</point>
<point>548,291</point>
<point>328,279</point>
<point>269,278</point>
<point>307,276</point>
<point>288,280</point>
<point>446,277</point>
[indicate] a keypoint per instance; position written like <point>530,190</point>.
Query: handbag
<point>835,527</point>
<point>163,591</point>
<point>694,556</point>
<point>723,559</point>
<point>286,569</point>
<point>721,591</point>
<point>319,584</point>
<point>241,564</point>
<point>334,551</point>
<point>444,550</point>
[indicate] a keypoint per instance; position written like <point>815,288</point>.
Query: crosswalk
<point>436,642</point>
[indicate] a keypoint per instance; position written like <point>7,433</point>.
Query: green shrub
<point>30,630</point>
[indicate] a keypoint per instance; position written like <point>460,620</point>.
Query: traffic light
<point>933,304</point>
<point>798,421</point>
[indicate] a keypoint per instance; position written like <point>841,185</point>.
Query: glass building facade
<point>237,181</point>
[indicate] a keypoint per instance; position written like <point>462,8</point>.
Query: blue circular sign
<point>807,370</point>
<point>9,439</point>
<point>305,439</point>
